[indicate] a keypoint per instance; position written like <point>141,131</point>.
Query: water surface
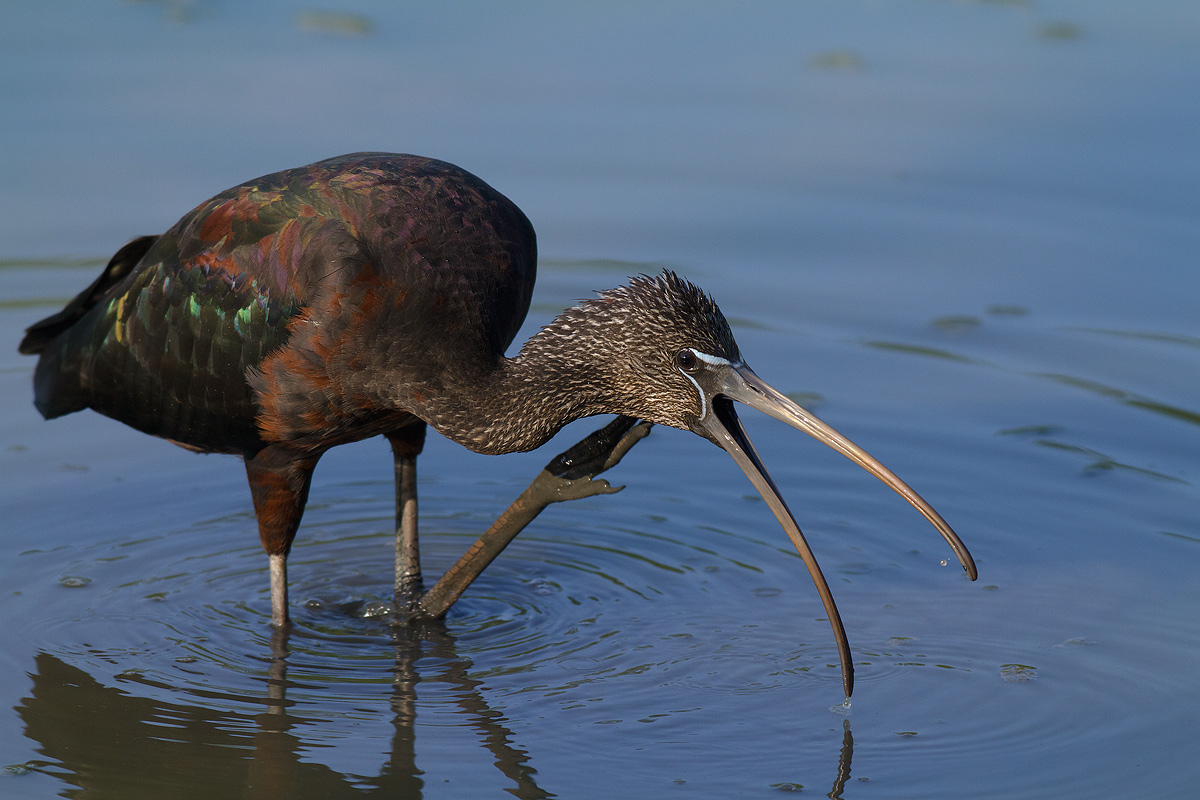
<point>962,233</point>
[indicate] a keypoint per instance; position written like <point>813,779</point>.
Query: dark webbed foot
<point>569,476</point>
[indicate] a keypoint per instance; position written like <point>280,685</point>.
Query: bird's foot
<point>407,599</point>
<point>571,475</point>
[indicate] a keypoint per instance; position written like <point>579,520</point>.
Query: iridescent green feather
<point>167,353</point>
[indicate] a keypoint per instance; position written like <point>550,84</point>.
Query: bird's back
<point>281,308</point>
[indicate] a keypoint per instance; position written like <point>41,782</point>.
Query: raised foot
<point>571,474</point>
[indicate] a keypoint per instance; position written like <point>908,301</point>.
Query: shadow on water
<point>111,743</point>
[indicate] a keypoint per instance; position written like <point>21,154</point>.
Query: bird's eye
<point>687,361</point>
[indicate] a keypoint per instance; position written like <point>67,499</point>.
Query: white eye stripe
<point>700,394</point>
<point>715,361</point>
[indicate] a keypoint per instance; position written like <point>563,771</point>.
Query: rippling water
<point>962,233</point>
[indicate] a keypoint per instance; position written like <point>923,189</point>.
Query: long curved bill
<point>726,382</point>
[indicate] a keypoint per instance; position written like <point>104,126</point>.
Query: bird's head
<point>662,351</point>
<point>647,338</point>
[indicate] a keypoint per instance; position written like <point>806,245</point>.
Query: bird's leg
<point>571,475</point>
<point>406,446</point>
<point>279,481</point>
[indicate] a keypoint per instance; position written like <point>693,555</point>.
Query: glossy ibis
<point>373,294</point>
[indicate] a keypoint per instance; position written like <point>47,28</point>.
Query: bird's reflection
<point>400,776</point>
<point>111,743</point>
<point>844,759</point>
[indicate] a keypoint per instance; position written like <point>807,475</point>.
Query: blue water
<point>963,233</point>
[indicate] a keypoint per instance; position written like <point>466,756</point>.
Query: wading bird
<point>373,294</point>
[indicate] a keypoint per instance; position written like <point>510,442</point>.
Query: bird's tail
<point>40,334</point>
<point>56,381</point>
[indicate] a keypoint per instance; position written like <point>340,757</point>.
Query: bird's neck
<point>521,402</point>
